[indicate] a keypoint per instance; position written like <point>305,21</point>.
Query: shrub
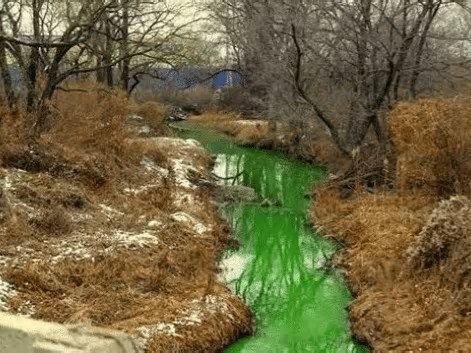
<point>154,115</point>
<point>444,243</point>
<point>53,221</point>
<point>433,140</point>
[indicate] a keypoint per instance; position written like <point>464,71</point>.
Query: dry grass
<point>244,132</point>
<point>407,254</point>
<point>154,115</point>
<point>397,308</point>
<point>89,229</point>
<point>433,139</point>
<point>318,149</point>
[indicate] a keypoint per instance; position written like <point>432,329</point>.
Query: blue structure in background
<point>226,78</point>
<point>186,78</point>
<point>191,78</point>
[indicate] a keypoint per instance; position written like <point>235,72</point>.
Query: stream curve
<point>280,270</point>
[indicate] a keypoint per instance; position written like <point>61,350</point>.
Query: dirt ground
<point>91,236</point>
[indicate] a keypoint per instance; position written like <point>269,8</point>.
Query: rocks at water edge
<point>235,193</point>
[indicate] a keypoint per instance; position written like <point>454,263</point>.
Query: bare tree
<point>342,62</point>
<point>73,37</point>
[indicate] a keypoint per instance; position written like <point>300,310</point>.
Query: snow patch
<point>183,198</point>
<point>181,169</point>
<point>185,218</point>
<point>73,250</point>
<point>192,317</point>
<point>154,224</point>
<point>150,165</point>
<point>140,190</point>
<point>7,291</point>
<point>110,211</point>
<point>232,267</point>
<point>7,183</point>
<point>147,332</point>
<point>131,240</point>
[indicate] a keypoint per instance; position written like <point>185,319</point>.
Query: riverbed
<point>281,268</point>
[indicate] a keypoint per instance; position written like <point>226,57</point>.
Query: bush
<point>444,243</point>
<point>154,115</point>
<point>433,140</point>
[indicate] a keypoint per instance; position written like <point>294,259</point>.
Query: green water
<point>280,271</point>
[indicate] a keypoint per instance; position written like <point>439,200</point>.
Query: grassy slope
<point>100,226</point>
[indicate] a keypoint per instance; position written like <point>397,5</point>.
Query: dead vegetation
<point>407,251</point>
<point>100,226</point>
<point>433,140</point>
<point>269,135</point>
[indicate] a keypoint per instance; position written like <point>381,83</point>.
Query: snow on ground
<point>190,221</point>
<point>193,315</point>
<point>73,250</point>
<point>110,211</point>
<point>7,291</point>
<point>181,167</point>
<point>130,240</point>
<point>150,165</point>
<point>250,122</point>
<point>232,267</point>
<point>90,239</point>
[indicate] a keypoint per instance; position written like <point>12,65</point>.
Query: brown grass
<point>318,148</point>
<point>406,253</point>
<point>154,115</point>
<point>78,191</point>
<point>433,139</point>
<point>397,308</point>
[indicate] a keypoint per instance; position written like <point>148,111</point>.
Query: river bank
<point>281,268</point>
<point>277,137</point>
<point>104,223</point>
<point>406,250</point>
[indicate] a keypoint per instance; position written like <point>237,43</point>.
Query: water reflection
<point>299,306</point>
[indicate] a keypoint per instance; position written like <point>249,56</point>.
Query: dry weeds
<point>257,133</point>
<point>100,227</point>
<point>407,255</point>
<point>433,139</point>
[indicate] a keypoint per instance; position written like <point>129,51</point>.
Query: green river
<point>280,271</point>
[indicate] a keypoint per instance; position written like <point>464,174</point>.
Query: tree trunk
<point>124,47</point>
<point>108,56</point>
<point>5,70</point>
<point>32,70</point>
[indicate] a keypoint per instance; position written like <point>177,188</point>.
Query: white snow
<point>72,249</point>
<point>141,189</point>
<point>7,291</point>
<point>131,240</point>
<point>183,198</point>
<point>145,129</point>
<point>181,169</point>
<point>27,309</point>
<point>190,221</point>
<point>7,183</point>
<point>150,165</point>
<point>154,224</point>
<point>110,211</point>
<point>146,332</point>
<point>233,266</point>
<point>250,122</point>
<point>192,317</point>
